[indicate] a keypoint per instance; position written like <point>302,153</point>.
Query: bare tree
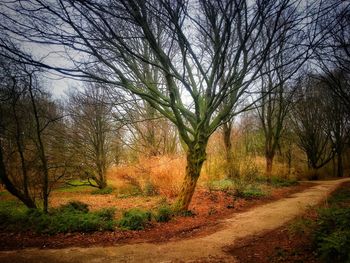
<point>333,48</point>
<point>205,52</point>
<point>29,157</point>
<point>93,132</point>
<point>310,121</point>
<point>150,134</point>
<point>13,140</point>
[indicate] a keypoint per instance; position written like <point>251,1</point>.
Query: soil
<point>213,242</point>
<point>279,245</point>
<point>209,207</point>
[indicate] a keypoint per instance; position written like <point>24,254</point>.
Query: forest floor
<point>213,237</point>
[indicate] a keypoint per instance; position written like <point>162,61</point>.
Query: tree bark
<point>269,163</point>
<point>195,159</point>
<point>227,128</point>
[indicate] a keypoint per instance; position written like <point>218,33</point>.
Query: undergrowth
<point>72,217</point>
<point>135,219</point>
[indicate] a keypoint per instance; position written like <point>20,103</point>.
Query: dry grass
<point>164,173</point>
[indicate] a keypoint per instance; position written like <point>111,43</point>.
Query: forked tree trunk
<point>195,159</point>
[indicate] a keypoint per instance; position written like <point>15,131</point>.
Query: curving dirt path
<point>210,248</point>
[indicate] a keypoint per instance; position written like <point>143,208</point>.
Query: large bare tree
<point>207,54</point>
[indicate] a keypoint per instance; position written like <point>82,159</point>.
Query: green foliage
<point>252,192</point>
<point>129,191</point>
<point>104,191</point>
<point>150,189</point>
<point>239,187</point>
<point>301,226</point>
<point>4,193</point>
<point>332,234</point>
<point>164,213</point>
<point>221,185</point>
<point>12,214</point>
<point>282,182</point>
<point>72,217</point>
<point>134,219</point>
<point>74,206</point>
<point>340,198</point>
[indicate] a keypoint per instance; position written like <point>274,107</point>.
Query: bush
<point>74,206</point>
<point>104,191</point>
<point>72,217</point>
<point>134,219</point>
<point>164,213</point>
<point>332,234</point>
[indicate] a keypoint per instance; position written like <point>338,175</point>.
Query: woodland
<point>172,101</point>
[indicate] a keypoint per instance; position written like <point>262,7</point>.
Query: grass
<point>105,191</point>
<point>239,188</point>
<point>129,190</point>
<point>221,185</point>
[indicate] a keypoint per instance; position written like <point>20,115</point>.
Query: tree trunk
<point>41,150</point>
<point>340,170</point>
<point>269,163</point>
<point>195,159</point>
<point>25,199</point>
<point>313,173</point>
<point>227,128</point>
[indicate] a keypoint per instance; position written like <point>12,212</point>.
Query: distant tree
<point>338,121</point>
<point>150,133</point>
<point>93,132</point>
<point>333,48</point>
<point>31,125</point>
<point>310,119</point>
<point>14,168</point>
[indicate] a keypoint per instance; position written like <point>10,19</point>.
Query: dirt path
<point>210,248</point>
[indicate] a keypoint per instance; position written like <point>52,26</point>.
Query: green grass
<point>105,191</point>
<point>129,191</point>
<point>4,193</point>
<point>282,182</point>
<point>221,185</point>
<point>276,181</point>
<point>253,192</point>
